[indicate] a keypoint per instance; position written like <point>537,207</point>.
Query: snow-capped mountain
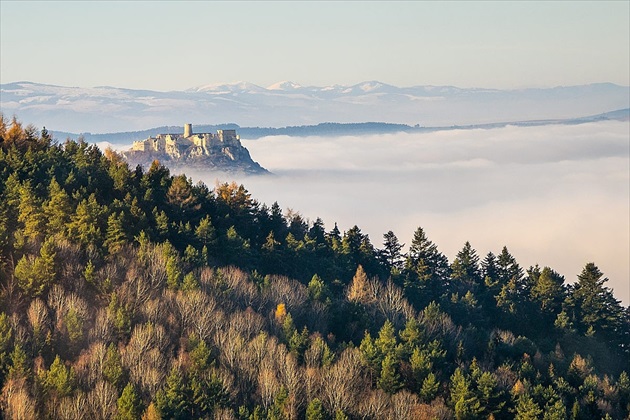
<point>111,109</point>
<point>285,86</point>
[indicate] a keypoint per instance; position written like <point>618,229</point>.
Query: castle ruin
<point>188,143</point>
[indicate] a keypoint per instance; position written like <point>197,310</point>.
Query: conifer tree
<point>115,237</point>
<point>359,290</point>
<point>57,209</point>
<point>391,253</point>
<point>85,224</point>
<point>59,379</point>
<point>315,410</point>
<point>547,290</point>
<point>463,400</point>
<point>465,270</point>
<point>593,305</point>
<point>389,380</point>
<point>526,408</point>
<point>430,387</point>
<point>129,404</point>
<point>172,401</point>
<point>426,270</point>
<point>113,370</point>
<point>31,214</point>
<point>206,233</point>
<point>35,274</point>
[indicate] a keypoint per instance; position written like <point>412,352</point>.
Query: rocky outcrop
<point>221,152</point>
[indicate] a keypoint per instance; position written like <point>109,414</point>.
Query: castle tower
<point>188,130</point>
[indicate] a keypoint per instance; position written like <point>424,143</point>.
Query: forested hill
<point>136,294</point>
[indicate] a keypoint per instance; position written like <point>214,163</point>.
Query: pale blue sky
<point>177,45</point>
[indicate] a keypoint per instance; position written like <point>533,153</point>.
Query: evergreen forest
<point>128,293</point>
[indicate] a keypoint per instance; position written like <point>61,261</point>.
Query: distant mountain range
<point>110,109</point>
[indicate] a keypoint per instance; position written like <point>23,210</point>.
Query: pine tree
<point>430,387</point>
<point>317,289</point>
<point>593,305</point>
<point>59,379</point>
<point>386,341</point>
<point>372,357</point>
<point>6,333</point>
<point>31,214</point>
<point>57,209</point>
<point>526,408</point>
<point>85,224</point>
<point>426,270</point>
<point>113,371</point>
<point>389,380</point>
<point>547,290</point>
<point>35,274</point>
<point>115,237</point>
<point>19,367</point>
<point>129,404</point>
<point>172,401</point>
<point>465,270</point>
<point>463,400</point>
<point>315,410</point>
<point>411,335</point>
<point>206,233</point>
<point>391,255</point>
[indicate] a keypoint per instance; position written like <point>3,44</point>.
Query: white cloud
<point>554,195</point>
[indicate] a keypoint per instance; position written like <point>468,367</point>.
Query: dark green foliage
<point>315,410</point>
<point>113,370</point>
<point>19,363</point>
<point>426,270</point>
<point>172,401</point>
<point>129,407</point>
<point>391,254</point>
<point>389,380</point>
<point>592,305</point>
<point>35,274</point>
<point>463,400</point>
<point>526,408</point>
<point>59,379</point>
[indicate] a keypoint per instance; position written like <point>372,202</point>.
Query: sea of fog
<point>556,195</point>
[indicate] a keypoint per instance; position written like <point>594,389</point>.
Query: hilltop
<point>222,151</point>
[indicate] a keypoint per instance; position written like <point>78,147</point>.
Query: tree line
<point>130,293</point>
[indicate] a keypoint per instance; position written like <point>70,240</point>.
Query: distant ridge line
<point>330,129</point>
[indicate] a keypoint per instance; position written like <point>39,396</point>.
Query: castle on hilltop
<point>222,151</point>
<point>177,145</point>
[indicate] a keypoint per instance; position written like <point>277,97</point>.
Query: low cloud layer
<point>554,195</point>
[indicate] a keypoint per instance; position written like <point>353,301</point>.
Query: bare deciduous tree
<point>404,405</point>
<point>292,377</point>
<point>393,305</point>
<point>102,329</point>
<point>16,402</point>
<point>102,401</point>
<point>268,385</point>
<point>375,405</point>
<point>73,407</point>
<point>39,319</point>
<point>292,293</point>
<point>247,323</point>
<point>343,381</point>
